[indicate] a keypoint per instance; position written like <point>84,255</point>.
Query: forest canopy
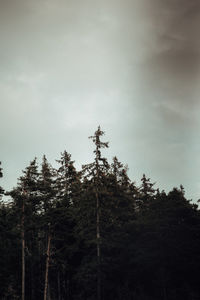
<point>94,234</point>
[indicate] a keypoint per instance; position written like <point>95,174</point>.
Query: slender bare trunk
<point>68,289</point>
<point>47,266</point>
<point>98,250</point>
<point>23,251</point>
<point>58,282</point>
<point>32,270</point>
<point>49,292</point>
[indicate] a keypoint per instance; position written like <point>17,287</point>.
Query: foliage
<point>131,242</point>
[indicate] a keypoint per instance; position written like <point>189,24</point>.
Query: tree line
<point>94,234</point>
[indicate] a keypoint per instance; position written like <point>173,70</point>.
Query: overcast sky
<point>67,66</point>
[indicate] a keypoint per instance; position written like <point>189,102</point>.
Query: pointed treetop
<point>96,138</point>
<point>30,176</point>
<point>146,186</point>
<point>1,174</point>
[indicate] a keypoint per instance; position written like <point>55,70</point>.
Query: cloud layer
<point>131,66</point>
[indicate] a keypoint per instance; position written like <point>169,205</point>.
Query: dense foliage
<point>93,234</point>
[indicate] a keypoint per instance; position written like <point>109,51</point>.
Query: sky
<point>131,66</point>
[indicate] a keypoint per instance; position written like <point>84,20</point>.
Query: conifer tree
<point>47,192</point>
<point>67,187</point>
<point>146,193</point>
<point>1,175</point>
<point>26,202</point>
<point>95,173</point>
<point>66,179</point>
<point>10,246</point>
<point>46,186</point>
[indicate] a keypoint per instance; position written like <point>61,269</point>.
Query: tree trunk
<point>49,292</point>
<point>68,288</point>
<point>23,251</point>
<point>32,269</point>
<point>58,282</point>
<point>98,250</point>
<point>47,266</point>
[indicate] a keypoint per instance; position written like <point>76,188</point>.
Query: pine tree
<point>68,188</point>
<point>26,203</point>
<point>146,193</point>
<point>1,175</point>
<point>67,179</point>
<point>118,213</point>
<point>47,192</point>
<point>94,176</point>
<point>9,253</point>
<point>46,186</point>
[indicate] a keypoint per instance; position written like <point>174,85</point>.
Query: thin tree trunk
<point>49,292</point>
<point>98,250</point>
<point>98,159</point>
<point>32,269</point>
<point>23,251</point>
<point>47,266</point>
<point>58,282</point>
<point>98,231</point>
<point>68,288</point>
<point>64,289</point>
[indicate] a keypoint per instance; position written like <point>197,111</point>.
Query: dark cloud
<point>178,43</point>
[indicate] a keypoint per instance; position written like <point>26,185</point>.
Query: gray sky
<point>130,66</point>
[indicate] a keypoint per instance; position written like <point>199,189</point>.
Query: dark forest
<point>94,234</point>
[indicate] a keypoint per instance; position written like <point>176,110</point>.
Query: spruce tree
<point>1,175</point>
<point>118,213</point>
<point>67,188</point>
<point>67,179</point>
<point>146,193</point>
<point>94,175</point>
<point>47,192</point>
<point>46,186</point>
<point>26,202</point>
